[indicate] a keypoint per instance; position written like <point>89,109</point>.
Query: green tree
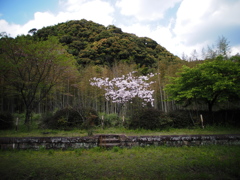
<point>32,31</point>
<point>32,68</point>
<point>210,82</point>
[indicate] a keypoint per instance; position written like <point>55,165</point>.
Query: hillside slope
<point>92,43</point>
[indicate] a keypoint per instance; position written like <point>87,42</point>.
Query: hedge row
<point>150,118</point>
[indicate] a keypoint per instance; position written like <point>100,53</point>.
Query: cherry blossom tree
<point>123,89</point>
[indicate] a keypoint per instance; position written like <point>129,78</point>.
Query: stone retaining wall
<point>184,140</point>
<point>125,141</point>
<point>48,142</point>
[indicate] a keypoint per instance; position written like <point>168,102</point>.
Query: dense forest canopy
<point>50,68</point>
<point>92,43</point>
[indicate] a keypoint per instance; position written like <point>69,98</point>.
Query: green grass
<point>205,162</point>
<point>35,132</point>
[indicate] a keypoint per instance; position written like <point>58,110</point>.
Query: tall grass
<point>205,162</point>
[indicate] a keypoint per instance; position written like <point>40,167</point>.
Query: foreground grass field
<point>205,162</point>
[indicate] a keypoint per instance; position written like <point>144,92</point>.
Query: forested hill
<point>92,43</point>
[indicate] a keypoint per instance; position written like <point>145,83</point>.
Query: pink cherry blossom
<point>124,89</point>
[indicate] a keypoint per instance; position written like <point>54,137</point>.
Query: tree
<point>32,68</point>
<point>203,56</point>
<point>123,89</point>
<point>236,58</point>
<point>184,57</point>
<point>209,82</point>
<point>32,31</point>
<point>211,52</point>
<point>194,55</point>
<point>223,47</point>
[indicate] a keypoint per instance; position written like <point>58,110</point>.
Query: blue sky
<point>178,25</point>
<point>21,11</point>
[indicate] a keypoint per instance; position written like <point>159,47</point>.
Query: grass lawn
<point>204,162</point>
<point>35,132</point>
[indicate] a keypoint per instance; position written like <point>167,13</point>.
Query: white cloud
<point>11,29</point>
<point>145,10</point>
<point>95,10</point>
<point>200,22</point>
<point>40,20</point>
<point>235,50</point>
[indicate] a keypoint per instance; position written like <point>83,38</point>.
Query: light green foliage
<point>110,120</point>
<point>31,68</point>
<point>210,82</point>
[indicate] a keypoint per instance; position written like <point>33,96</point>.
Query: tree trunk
<point>28,117</point>
<point>118,108</point>
<point>210,106</point>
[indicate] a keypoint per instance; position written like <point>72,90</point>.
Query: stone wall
<point>183,140</point>
<point>125,141</point>
<point>48,142</point>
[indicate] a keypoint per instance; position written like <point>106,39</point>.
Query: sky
<point>181,26</point>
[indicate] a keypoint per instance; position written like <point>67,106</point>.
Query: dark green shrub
<point>6,121</point>
<point>69,118</point>
<point>227,117</point>
<point>150,119</point>
<point>89,117</point>
<point>181,119</point>
<point>186,118</point>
